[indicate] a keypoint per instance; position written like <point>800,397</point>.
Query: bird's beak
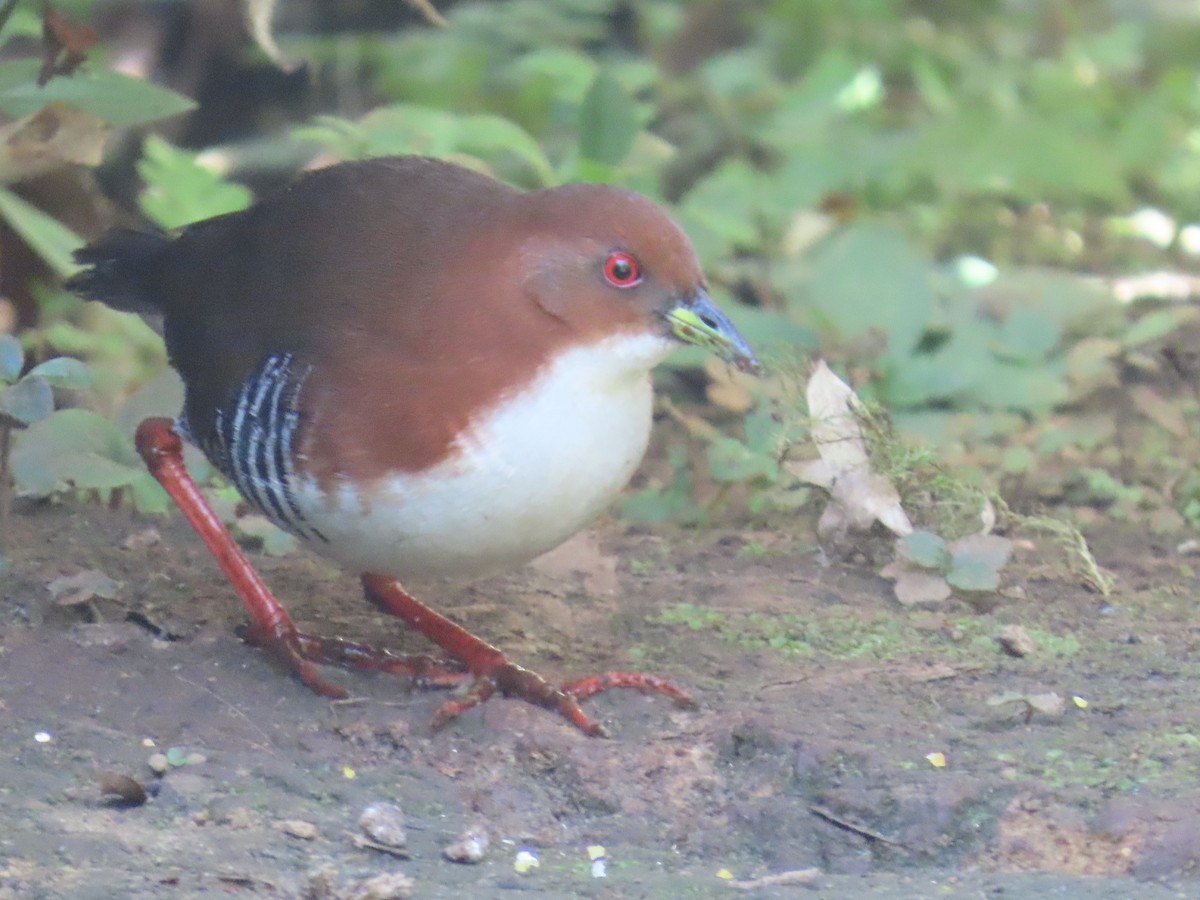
<point>697,320</point>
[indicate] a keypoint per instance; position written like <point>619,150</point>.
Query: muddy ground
<point>821,700</point>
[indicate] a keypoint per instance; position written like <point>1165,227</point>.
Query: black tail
<point>120,270</point>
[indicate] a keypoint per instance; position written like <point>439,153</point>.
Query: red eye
<point>622,270</point>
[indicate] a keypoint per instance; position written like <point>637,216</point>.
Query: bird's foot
<point>493,672</point>
<point>292,649</point>
<point>516,681</point>
<point>300,651</point>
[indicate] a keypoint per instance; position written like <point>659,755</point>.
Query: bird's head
<point>606,261</point>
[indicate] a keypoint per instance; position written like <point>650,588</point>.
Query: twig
<point>269,746</point>
<point>364,843</point>
<point>847,825</point>
<point>779,879</point>
<point>1075,545</point>
<point>696,426</point>
<point>428,11</point>
<point>5,479</point>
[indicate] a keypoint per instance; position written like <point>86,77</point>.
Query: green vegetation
<point>948,202</point>
<point>840,633</point>
<point>28,399</point>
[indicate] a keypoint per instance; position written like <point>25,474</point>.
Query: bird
<point>421,372</point>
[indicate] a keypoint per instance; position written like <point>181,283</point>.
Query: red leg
<point>271,626</point>
<point>493,672</point>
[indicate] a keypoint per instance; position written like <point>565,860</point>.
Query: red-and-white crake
<point>420,372</point>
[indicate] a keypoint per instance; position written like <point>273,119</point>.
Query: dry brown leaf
<point>65,44</point>
<point>1049,703</point>
<point>858,496</point>
<point>727,387</point>
<point>54,136</point>
<point>298,828</point>
<point>921,589</point>
<point>1091,363</point>
<point>83,587</point>
<point>1164,413</point>
<point>833,407</point>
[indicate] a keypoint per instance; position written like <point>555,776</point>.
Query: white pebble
<point>384,824</point>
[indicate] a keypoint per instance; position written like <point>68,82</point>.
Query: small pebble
<point>158,763</point>
<point>1015,641</point>
<point>388,886</point>
<point>470,846</point>
<point>142,540</point>
<point>322,883</point>
<point>240,818</point>
<point>384,824</point>
<point>298,828</point>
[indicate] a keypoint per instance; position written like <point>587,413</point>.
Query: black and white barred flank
<point>251,442</point>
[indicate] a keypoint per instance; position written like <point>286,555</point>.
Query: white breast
<point>528,474</point>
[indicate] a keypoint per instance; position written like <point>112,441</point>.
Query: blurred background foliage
<point>985,212</point>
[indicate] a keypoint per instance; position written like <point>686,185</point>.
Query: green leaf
<point>724,211</point>
<point>1028,334</point>
<point>731,461</point>
<point>1001,385</point>
<point>408,128</point>
<point>486,134</point>
<point>83,586</point>
<point>1063,297</point>
<point>64,372</point>
<point>27,401</point>
<point>49,238</point>
<point>607,121</point>
<point>180,191</point>
<point>12,358</point>
<point>1155,325</point>
<point>81,449</point>
<point>809,106</point>
<point>923,379</point>
<point>973,575</point>
<point>669,503</point>
<point>117,99</point>
<point>977,562</point>
<point>1020,151</point>
<point>925,549</point>
<point>869,277</point>
<point>549,80</point>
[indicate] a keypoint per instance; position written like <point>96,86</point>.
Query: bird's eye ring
<point>622,270</point>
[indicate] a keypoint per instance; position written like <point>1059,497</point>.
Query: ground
<point>822,704</point>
